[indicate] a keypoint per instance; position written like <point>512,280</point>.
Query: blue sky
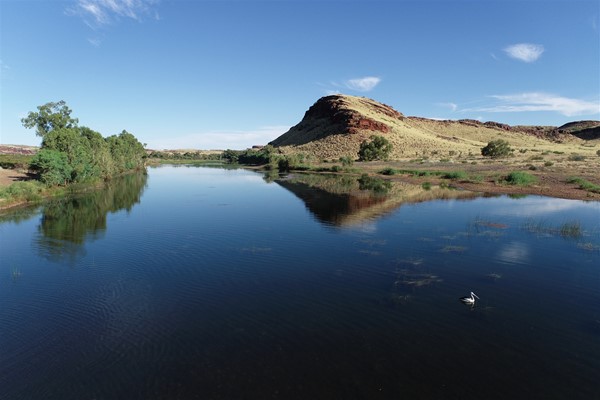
<point>230,74</point>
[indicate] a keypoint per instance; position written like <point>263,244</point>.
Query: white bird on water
<point>469,299</point>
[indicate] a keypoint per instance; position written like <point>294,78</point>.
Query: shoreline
<point>550,182</point>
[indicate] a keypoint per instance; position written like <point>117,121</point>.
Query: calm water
<point>199,283</point>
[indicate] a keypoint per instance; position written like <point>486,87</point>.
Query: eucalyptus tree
<point>50,116</point>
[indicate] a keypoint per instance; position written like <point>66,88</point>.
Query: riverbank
<point>554,175</point>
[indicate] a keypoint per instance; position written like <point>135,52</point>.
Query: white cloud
<point>537,101</point>
<point>95,41</point>
<point>215,140</point>
<point>363,84</point>
<point>451,106</point>
<point>526,52</point>
<point>102,12</point>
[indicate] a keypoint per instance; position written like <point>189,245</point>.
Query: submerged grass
<point>568,230</point>
<point>571,230</point>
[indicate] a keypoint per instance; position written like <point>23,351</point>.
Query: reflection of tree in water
<point>68,223</point>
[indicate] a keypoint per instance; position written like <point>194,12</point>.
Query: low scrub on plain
<point>456,175</point>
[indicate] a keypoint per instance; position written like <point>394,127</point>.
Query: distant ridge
<point>335,125</point>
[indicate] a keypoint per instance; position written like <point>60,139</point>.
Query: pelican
<point>469,299</point>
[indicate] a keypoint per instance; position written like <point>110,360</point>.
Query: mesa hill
<point>336,125</point>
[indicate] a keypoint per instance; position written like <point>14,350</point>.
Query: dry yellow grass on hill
<point>336,125</point>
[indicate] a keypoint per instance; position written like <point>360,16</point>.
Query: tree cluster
<point>262,156</point>
<point>74,154</point>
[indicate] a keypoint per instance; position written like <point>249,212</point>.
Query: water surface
<point>228,284</point>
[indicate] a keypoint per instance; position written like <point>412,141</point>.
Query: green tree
<point>126,151</point>
<point>102,163</point>
<point>50,116</point>
<point>497,149</point>
<point>76,147</point>
<point>52,166</point>
<point>378,148</point>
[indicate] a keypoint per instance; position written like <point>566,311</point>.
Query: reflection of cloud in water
<point>514,253</point>
<point>367,227</point>
<point>536,206</point>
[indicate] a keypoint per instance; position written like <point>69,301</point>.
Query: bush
<point>26,190</point>
<point>388,171</point>
<point>52,166</point>
<point>520,178</point>
<point>585,184</point>
<point>496,149</point>
<point>377,185</point>
<point>378,148</point>
<point>456,175</point>
<point>576,157</point>
<point>346,161</point>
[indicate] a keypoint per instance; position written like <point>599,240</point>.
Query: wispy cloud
<point>220,140</point>
<point>101,12</point>
<point>364,84</point>
<point>451,106</point>
<point>527,52</point>
<point>536,101</point>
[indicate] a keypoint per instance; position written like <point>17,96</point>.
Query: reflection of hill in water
<point>345,201</point>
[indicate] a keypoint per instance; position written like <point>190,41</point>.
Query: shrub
<point>520,178</point>
<point>456,175</point>
<point>26,190</point>
<point>346,161</point>
<point>52,166</point>
<point>585,184</point>
<point>576,157</point>
<point>388,171</point>
<point>378,148</point>
<point>496,149</point>
<point>377,185</point>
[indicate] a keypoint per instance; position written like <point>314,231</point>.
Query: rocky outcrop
<point>339,114</point>
<point>336,125</point>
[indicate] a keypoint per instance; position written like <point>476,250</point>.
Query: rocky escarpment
<point>336,125</point>
<point>339,114</point>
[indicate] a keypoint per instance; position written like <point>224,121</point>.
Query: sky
<point>235,73</point>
